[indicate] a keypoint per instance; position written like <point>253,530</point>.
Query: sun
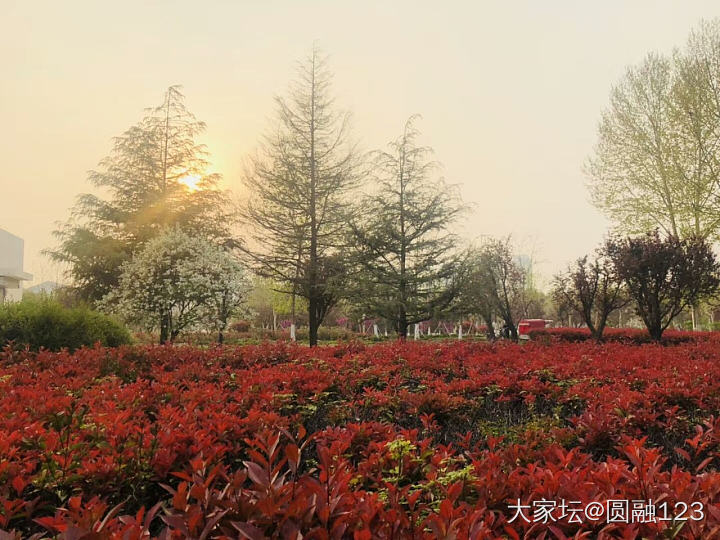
<point>191,182</point>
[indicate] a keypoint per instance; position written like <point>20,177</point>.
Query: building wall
<point>10,289</point>
<point>13,295</point>
<point>12,250</point>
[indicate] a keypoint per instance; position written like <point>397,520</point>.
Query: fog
<point>510,94</point>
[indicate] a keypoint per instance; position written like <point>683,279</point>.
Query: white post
<point>460,330</point>
<point>417,331</point>
<point>692,316</point>
<point>376,332</point>
<point>292,332</point>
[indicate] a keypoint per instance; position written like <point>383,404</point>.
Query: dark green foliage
<point>142,190</point>
<point>46,324</point>
<point>410,265</point>
<point>299,194</point>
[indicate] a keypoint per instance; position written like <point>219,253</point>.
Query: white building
<point>12,275</point>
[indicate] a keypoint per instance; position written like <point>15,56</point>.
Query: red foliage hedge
<point>624,335</point>
<point>415,440</point>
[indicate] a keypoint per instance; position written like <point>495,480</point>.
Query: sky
<point>510,94</point>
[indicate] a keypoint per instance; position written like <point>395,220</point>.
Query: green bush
<point>44,323</point>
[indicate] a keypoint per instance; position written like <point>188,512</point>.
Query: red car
<point>526,325</point>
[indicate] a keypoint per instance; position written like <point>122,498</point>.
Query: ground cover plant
<point>396,440</point>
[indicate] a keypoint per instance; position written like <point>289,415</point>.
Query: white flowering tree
<point>230,289</point>
<point>178,281</point>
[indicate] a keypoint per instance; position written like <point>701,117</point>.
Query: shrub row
<point>415,440</point>
<point>624,335</point>
<point>47,324</point>
<point>235,337</point>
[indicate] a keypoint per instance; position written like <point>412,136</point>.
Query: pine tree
<point>298,206</point>
<point>409,259</point>
<point>154,177</point>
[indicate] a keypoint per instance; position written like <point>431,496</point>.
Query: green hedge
<point>47,324</point>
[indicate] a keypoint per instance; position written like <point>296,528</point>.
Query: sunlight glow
<point>191,181</point>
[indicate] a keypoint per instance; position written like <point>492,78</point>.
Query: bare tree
<point>299,207</point>
<point>478,293</point>
<point>504,281</point>
<point>592,289</point>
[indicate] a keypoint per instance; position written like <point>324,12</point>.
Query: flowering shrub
<point>398,440</point>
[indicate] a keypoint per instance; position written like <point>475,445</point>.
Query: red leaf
<point>19,484</point>
<point>248,530</point>
<point>180,498</point>
<point>257,474</point>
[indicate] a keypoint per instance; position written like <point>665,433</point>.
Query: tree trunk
<point>513,329</point>
<point>653,323</point>
<point>402,330</point>
<point>599,329</point>
<point>655,333</point>
<point>164,328</point>
<point>224,316</point>
<point>692,317</point>
<point>312,270</point>
<point>490,332</point>
<point>313,322</point>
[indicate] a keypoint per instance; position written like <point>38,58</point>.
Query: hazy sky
<point>510,93</point>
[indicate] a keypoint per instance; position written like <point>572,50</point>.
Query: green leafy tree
<point>229,289</point>
<point>153,178</point>
<point>269,300</point>
<point>299,205</point>
<point>408,257</point>
<point>656,164</point>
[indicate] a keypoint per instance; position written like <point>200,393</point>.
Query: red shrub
<point>625,335</point>
<point>403,440</point>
